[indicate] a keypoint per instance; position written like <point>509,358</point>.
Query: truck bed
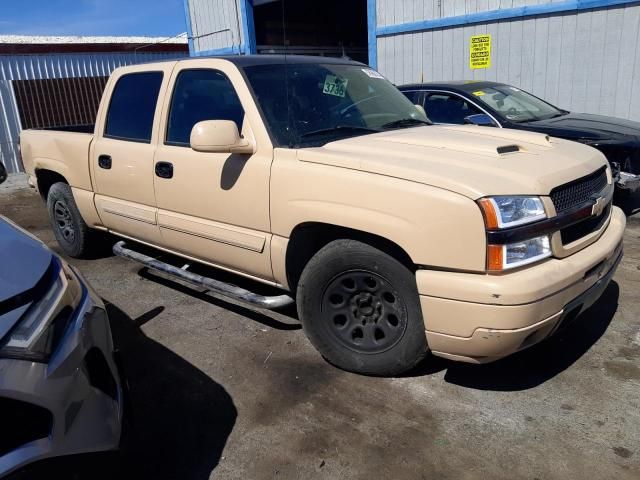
<point>62,150</point>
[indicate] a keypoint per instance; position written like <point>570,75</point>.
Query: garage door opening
<point>332,28</point>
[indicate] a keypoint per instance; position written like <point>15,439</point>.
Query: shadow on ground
<point>536,365</point>
<point>177,419</point>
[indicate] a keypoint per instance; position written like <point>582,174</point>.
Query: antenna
<point>286,72</point>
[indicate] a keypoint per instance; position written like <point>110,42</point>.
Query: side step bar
<point>226,289</point>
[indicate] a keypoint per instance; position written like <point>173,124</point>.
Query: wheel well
<point>46,178</point>
<point>308,238</point>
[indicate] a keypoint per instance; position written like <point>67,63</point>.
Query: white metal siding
<point>584,62</point>
<point>30,67</point>
<point>215,24</point>
<point>388,11</point>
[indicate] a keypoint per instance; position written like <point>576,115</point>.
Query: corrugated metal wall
<point>29,67</point>
<point>215,25</point>
<point>586,62</point>
<point>393,12</point>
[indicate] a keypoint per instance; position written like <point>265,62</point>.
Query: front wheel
<point>360,308</point>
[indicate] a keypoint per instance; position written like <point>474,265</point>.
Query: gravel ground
<point>221,390</point>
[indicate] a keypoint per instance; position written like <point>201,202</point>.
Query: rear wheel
<point>72,233</point>
<point>360,308</point>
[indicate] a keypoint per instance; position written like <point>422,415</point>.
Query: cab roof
<point>278,59</point>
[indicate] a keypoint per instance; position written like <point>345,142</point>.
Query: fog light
<point>501,257</point>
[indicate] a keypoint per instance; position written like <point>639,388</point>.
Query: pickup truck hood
<point>470,160</point>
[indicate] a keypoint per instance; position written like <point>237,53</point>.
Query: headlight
<point>42,326</point>
<point>505,212</point>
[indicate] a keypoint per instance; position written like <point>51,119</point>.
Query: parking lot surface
<point>221,390</point>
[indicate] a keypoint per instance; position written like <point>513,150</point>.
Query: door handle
<point>164,170</point>
<point>104,161</point>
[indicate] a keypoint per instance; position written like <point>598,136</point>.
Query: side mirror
<point>3,173</point>
<point>480,119</point>
<point>220,136</point>
<point>421,109</point>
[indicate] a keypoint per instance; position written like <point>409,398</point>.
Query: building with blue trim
<point>582,55</point>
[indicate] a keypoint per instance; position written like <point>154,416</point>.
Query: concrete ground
<point>221,390</point>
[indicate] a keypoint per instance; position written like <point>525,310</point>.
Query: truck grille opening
<point>585,227</point>
<point>578,191</point>
<point>22,423</point>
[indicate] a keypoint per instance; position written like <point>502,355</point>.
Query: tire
<point>360,309</point>
<point>72,233</point>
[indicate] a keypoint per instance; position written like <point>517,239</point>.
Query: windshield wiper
<point>337,128</point>
<point>406,122</point>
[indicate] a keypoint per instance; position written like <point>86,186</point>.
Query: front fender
<point>436,227</point>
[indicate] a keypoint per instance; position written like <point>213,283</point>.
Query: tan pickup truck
<point>318,177</point>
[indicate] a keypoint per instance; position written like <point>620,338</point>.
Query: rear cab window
<point>198,95</point>
<point>132,107</point>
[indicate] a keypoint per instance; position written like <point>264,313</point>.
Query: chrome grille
<point>579,191</point>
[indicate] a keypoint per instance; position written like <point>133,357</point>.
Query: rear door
<point>123,151</point>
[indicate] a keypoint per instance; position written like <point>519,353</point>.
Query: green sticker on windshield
<point>335,86</point>
<point>479,93</point>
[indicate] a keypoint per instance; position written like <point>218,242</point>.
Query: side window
<point>448,108</point>
<point>415,96</point>
<point>132,107</point>
<point>201,95</point>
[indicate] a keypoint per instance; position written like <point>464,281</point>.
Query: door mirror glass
<point>3,173</point>
<point>480,119</point>
<point>219,136</point>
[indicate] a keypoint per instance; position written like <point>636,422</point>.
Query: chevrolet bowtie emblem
<point>598,207</point>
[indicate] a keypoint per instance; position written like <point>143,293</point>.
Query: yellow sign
<point>480,52</point>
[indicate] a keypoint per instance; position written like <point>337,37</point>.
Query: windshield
<point>311,104</point>
<point>516,105</point>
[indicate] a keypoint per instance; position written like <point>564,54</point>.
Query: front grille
<point>22,423</point>
<point>585,227</point>
<point>579,191</point>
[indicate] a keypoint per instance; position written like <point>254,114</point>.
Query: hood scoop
<point>507,149</point>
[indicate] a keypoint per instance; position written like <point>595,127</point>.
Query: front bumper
<point>78,393</point>
<point>480,318</point>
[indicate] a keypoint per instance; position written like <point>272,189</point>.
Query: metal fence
<point>39,89</point>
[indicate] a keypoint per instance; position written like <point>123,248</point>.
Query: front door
<point>123,152</point>
<point>213,206</point>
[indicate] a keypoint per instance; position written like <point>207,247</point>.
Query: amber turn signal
<point>495,258</point>
<point>489,213</point>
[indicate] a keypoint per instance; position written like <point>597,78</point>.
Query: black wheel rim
<point>364,312</point>
<point>64,221</point>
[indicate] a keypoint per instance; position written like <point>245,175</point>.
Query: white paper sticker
<point>372,73</point>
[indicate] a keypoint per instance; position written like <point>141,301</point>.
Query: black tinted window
<point>201,95</point>
<point>414,96</point>
<point>132,107</point>
<point>448,108</point>
<point>312,104</point>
